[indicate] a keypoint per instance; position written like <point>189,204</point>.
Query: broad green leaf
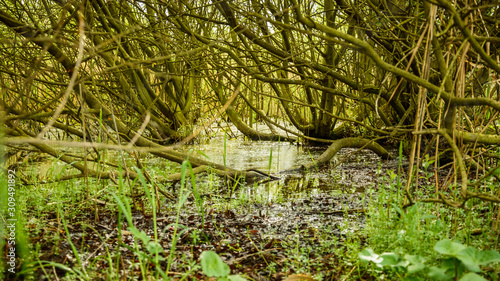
<point>472,277</point>
<point>389,259</point>
<point>446,270</point>
<point>212,265</point>
<point>236,278</point>
<point>159,258</point>
<point>442,274</point>
<point>369,255</point>
<point>488,256</point>
<point>416,263</point>
<point>470,257</point>
<point>402,263</point>
<point>447,247</point>
<point>412,278</point>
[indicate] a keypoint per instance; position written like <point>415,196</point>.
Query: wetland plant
<point>459,262</point>
<point>213,266</point>
<point>415,238</point>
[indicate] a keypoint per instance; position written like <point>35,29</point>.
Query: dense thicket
<point>143,72</point>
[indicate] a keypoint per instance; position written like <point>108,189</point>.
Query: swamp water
<point>333,196</point>
<point>350,170</point>
<point>302,214</point>
<point>349,173</point>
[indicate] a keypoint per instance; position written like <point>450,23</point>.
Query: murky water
<point>263,155</point>
<point>321,198</point>
<point>346,171</point>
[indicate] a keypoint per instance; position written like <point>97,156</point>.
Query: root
<point>336,146</point>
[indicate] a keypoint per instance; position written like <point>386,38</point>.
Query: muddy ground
<point>303,229</point>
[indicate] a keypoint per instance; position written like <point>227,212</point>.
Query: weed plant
<point>416,229</point>
<point>389,227</point>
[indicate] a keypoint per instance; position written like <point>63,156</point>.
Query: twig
<point>337,212</point>
<point>348,274</point>
<point>250,255</point>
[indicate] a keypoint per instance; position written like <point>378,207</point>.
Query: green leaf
<point>472,277</point>
<point>416,263</point>
<point>212,265</point>
<point>403,263</point>
<point>447,247</point>
<point>445,271</point>
<point>368,255</point>
<point>488,257</point>
<point>412,278</point>
<point>389,259</point>
<point>236,278</point>
<point>154,248</point>
<point>496,172</point>
<point>139,234</point>
<point>438,273</point>
<point>470,258</point>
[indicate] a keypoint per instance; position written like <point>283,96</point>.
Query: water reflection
<point>293,186</point>
<point>347,171</point>
<point>243,154</point>
<point>353,172</point>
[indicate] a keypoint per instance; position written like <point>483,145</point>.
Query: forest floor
<point>315,230</point>
<point>264,239</point>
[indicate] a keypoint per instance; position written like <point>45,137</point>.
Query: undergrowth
<point>411,232</point>
<point>405,234</point>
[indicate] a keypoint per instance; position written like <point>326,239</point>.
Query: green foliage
<point>416,236</point>
<point>213,266</point>
<point>427,162</point>
<point>12,228</point>
<point>459,258</point>
<point>152,247</point>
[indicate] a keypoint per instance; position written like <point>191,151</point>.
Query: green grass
<point>416,229</point>
<point>59,207</point>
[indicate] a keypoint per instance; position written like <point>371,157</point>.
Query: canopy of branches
<point>143,72</point>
